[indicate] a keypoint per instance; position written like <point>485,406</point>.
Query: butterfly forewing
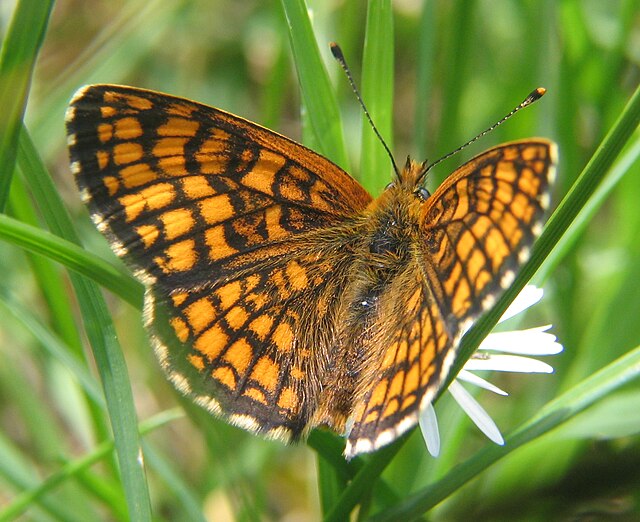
<point>191,186</point>
<point>480,226</point>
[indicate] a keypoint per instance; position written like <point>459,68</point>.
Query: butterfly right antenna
<point>337,54</point>
<point>534,96</point>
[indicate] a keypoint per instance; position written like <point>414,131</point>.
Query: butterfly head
<point>410,179</point>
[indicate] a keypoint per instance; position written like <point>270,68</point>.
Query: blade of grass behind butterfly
<point>18,473</point>
<point>617,300</point>
<point>553,414</point>
<point>48,277</point>
<point>323,117</point>
<point>424,82</point>
<point>81,261</point>
<point>163,465</point>
<point>66,382</point>
<point>376,169</point>
<point>459,46</point>
<point>102,336</point>
<point>51,344</point>
<point>589,211</point>
<point>330,484</point>
<point>317,93</point>
<point>75,469</point>
<point>61,343</point>
<point>377,93</point>
<point>274,95</point>
<point>17,59</point>
<point>361,484</point>
<point>72,256</point>
<point>43,438</point>
<point>594,330</point>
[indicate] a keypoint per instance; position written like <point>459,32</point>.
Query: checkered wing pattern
<point>213,213</point>
<point>476,231</point>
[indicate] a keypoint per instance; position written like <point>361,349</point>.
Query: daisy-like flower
<point>502,351</point>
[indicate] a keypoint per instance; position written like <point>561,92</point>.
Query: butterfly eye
<point>422,193</point>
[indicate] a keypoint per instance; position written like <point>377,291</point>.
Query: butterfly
<point>280,295</point>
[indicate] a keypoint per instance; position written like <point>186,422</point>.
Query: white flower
<point>512,346</point>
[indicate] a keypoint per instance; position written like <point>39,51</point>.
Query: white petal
<point>479,381</point>
<point>534,341</point>
<point>529,296</point>
<point>476,412</point>
<point>429,427</point>
<point>508,363</point>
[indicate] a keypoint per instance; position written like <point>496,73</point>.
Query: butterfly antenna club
<point>339,56</point>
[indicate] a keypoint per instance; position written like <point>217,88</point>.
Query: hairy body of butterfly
<point>279,295</point>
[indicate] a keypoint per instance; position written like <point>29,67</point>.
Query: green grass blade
<point>318,95</point>
<point>377,93</point>
<point>16,470</point>
<point>17,60</point>
<point>178,485</point>
<point>330,448</point>
<point>49,277</point>
<point>590,209</point>
<point>102,337</point>
<point>324,120</point>
<point>77,467</point>
<point>364,480</point>
<point>555,413</point>
<point>330,484</point>
<point>115,381</point>
<point>72,256</point>
<point>424,80</point>
<point>53,345</point>
<point>457,50</point>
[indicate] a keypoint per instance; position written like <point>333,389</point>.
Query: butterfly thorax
<point>391,222</point>
<point>393,218</point>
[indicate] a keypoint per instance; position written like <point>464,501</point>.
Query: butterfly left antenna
<point>337,54</point>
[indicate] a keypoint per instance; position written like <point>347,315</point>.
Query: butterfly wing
<point>213,213</point>
<point>476,231</point>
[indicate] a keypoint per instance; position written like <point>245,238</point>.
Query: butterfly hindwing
<point>416,348</point>
<point>251,348</point>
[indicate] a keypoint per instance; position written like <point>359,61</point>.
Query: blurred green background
<point>457,67</point>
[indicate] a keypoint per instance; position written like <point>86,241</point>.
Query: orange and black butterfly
<point>280,295</point>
